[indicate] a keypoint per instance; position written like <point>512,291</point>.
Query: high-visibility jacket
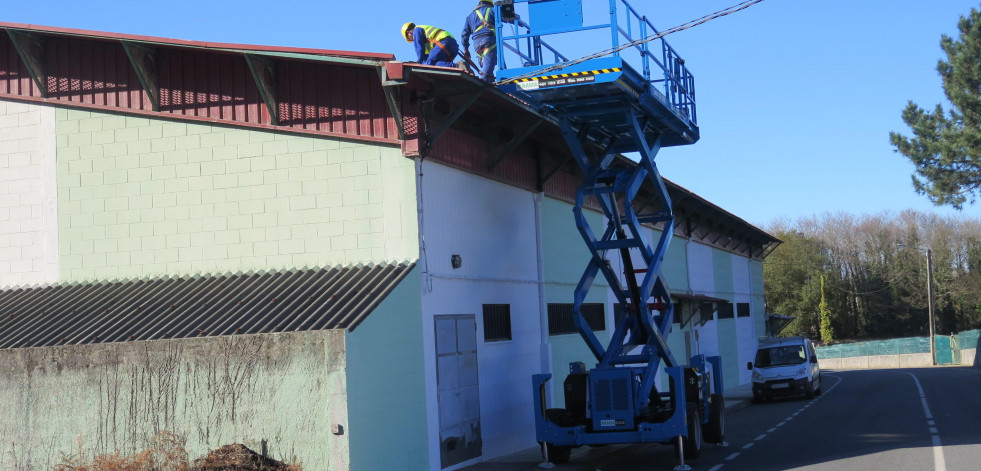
<point>433,35</point>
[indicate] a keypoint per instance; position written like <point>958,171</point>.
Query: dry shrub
<point>167,453</point>
<point>240,458</point>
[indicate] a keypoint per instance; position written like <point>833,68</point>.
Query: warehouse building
<point>328,256</point>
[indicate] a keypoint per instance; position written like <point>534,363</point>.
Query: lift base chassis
<point>612,406</point>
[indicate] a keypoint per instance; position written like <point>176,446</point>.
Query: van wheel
<point>810,390</point>
<point>714,430</point>
<point>817,392</point>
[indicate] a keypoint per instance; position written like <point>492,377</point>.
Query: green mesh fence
<point>876,347</point>
<point>943,351</point>
<point>969,339</point>
<point>945,347</point>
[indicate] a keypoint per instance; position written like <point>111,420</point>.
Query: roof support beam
<point>455,113</point>
<point>391,87</point>
<point>556,168</point>
<point>143,58</point>
<point>264,72</point>
<point>504,150</point>
<point>30,48</point>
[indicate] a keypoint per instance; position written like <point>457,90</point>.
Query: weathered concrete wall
<point>284,389</point>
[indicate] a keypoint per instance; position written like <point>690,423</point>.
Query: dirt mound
<point>238,457</point>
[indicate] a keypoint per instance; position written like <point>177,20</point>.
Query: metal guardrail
<point>659,64</point>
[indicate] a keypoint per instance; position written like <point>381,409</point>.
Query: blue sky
<point>795,98</point>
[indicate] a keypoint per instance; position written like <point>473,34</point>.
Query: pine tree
<point>827,331</point>
<point>946,149</point>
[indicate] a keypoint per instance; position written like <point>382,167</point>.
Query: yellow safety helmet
<point>406,28</point>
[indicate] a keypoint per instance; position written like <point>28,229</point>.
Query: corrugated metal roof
<point>185,307</point>
<point>308,91</point>
<point>201,44</point>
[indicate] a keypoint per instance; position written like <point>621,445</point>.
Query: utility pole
<point>930,322</point>
<point>933,328</point>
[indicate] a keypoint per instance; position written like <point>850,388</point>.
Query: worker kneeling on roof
<point>434,46</point>
<point>480,27</point>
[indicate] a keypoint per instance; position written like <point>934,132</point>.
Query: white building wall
<point>492,228</point>
<point>28,195</point>
<point>701,280</point>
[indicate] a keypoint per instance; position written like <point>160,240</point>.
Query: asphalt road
<point>898,419</point>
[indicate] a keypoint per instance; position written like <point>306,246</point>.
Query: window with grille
<point>725,310</point>
<point>742,309</point>
<point>497,322</point>
<point>560,319</point>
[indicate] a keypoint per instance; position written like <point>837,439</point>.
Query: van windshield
<point>776,356</point>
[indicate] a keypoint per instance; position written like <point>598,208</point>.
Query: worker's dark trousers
<point>443,58</point>
<point>486,47</point>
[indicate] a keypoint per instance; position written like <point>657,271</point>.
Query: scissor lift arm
<point>605,103</point>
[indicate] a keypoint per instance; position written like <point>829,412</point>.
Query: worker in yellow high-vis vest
<point>434,46</point>
<point>480,26</point>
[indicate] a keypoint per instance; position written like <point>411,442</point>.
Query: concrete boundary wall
<point>969,357</point>
<point>84,400</point>
<point>908,360</point>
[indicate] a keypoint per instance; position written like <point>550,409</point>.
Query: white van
<point>785,367</point>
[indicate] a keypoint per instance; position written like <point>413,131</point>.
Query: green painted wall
<point>675,265</point>
<point>386,384</point>
<point>565,258</point>
<point>728,340</point>
<point>139,197</point>
<point>758,304</point>
<point>285,389</point>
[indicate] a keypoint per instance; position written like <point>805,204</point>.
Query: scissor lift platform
<point>596,91</point>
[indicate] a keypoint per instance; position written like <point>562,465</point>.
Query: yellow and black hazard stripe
<point>573,74</point>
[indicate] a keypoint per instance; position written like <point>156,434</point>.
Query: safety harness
<point>484,24</point>
<point>484,18</point>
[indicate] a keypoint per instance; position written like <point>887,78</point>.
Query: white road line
<point>781,423</point>
<point>760,437</point>
<point>748,445</point>
<point>716,467</point>
<point>939,464</point>
<point>772,429</point>
<point>732,456</point>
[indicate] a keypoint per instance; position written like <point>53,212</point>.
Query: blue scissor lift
<point>606,103</point>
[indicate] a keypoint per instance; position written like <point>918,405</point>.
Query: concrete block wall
<point>28,211</point>
<point>139,197</point>
<point>286,390</point>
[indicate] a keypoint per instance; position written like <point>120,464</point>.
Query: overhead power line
<point>682,27</point>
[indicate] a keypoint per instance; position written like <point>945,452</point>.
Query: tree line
<point>845,277</point>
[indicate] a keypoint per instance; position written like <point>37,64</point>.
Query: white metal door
<point>457,388</point>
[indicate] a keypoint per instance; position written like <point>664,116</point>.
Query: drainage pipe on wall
<point>546,348</point>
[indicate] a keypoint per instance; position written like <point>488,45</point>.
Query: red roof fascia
<point>204,44</point>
